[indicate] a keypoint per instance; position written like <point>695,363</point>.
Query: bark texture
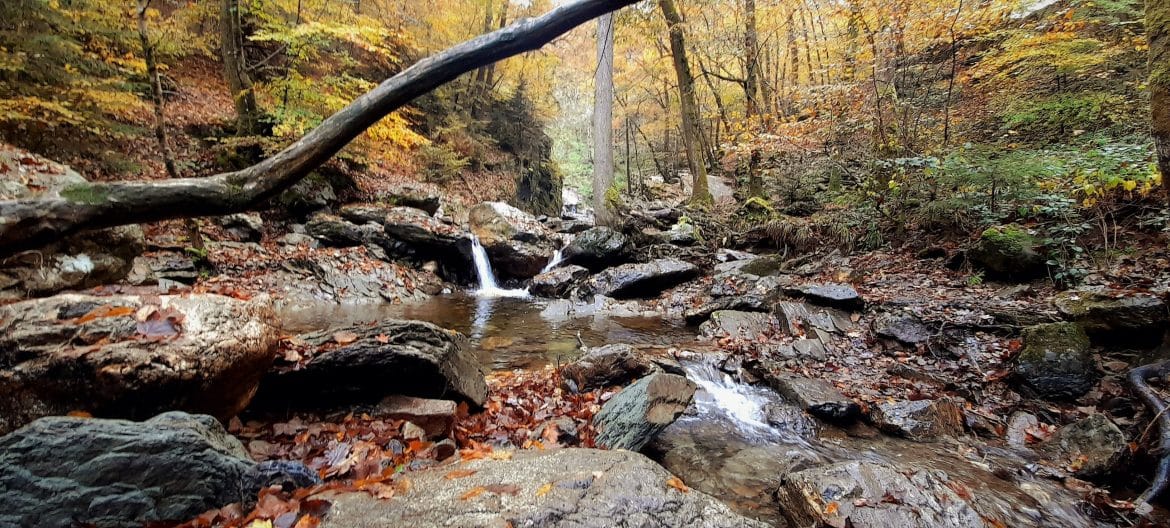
<point>235,71</point>
<point>603,121</point>
<point>1158,33</point>
<point>692,136</point>
<point>26,224</point>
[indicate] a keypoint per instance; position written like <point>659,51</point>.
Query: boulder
<point>558,282</point>
<point>361,364</point>
<point>334,231</point>
<point>732,323</point>
<point>742,303</point>
<point>176,265</point>
<point>411,195</point>
<point>243,227</point>
<point>77,262</point>
<point>364,213</point>
<point>555,488</point>
<point>630,419</point>
<point>427,234</point>
<point>60,471</point>
<point>517,243</point>
<point>863,493</point>
<point>817,397</point>
<point>1134,319</point>
<point>599,248</point>
<point>131,357</point>
<point>435,417</point>
<point>919,420</point>
<point>312,193</point>
<point>606,366</point>
<point>1008,252</point>
<point>1094,447</point>
<point>682,234</point>
<point>641,280</point>
<point>902,327</point>
<point>833,295</point>
<point>1056,361</point>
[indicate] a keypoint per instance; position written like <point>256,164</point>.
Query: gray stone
<point>244,227</point>
<point>641,280</point>
<point>731,323</point>
<point>59,471</point>
<point>435,417</point>
<point>902,327</point>
<point>131,357</point>
<point>817,397</point>
<point>558,282</point>
<point>599,248</point>
<point>1017,428</point>
<point>412,358</point>
<point>334,231</point>
<point>1056,361</point>
<point>412,195</point>
<point>742,303</point>
<point>1093,445</point>
<point>429,235</point>
<point>518,245</point>
<point>364,213</point>
<point>833,295</point>
<point>630,419</point>
<point>1134,319</point>
<point>555,488</point>
<point>799,318</point>
<point>606,366</point>
<point>871,494</point>
<point>919,420</point>
<point>682,234</point>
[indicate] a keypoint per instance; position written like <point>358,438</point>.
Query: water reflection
<point>508,332</point>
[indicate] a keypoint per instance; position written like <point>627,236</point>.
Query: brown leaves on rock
<point>520,403</point>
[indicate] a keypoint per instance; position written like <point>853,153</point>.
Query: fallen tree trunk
<point>26,224</point>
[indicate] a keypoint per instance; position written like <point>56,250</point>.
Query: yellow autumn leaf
<point>260,523</point>
<point>544,490</point>
<point>1129,185</point>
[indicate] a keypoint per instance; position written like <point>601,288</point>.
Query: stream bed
<point>739,442</point>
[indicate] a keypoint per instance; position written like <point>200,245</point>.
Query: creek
<point>737,442</point>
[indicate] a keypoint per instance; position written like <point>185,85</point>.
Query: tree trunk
<point>1158,33</point>
<point>603,122</point>
<point>235,70</point>
<point>26,224</point>
<point>160,120</point>
<point>691,135</point>
<point>751,87</point>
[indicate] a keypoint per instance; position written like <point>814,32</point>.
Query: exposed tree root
<point>1138,381</point>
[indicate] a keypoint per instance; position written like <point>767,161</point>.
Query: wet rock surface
<point>732,323</point>
<point>130,356</point>
<point>1093,446</point>
<point>919,420</point>
<point>558,282</point>
<point>815,396</point>
<point>518,245</point>
<point>640,411</point>
<point>606,366</point>
<point>1056,361</point>
<point>364,363</point>
<point>599,248</point>
<point>641,280</point>
<point>832,295</point>
<point>115,473</point>
<point>586,488</point>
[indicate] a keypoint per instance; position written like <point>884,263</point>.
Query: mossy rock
<point>1131,320</point>
<point>756,209</point>
<point>1056,362</point>
<point>1009,252</point>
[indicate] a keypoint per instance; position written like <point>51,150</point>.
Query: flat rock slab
<point>734,323</point>
<point>435,417</point>
<point>834,295</point>
<point>817,397</point>
<point>559,488</point>
<point>642,280</point>
<point>905,328</point>
<point>362,364</point>
<point>743,303</point>
<point>606,366</point>
<point>558,282</point>
<point>59,471</point>
<point>1129,320</point>
<point>131,357</point>
<point>919,420</point>
<point>861,492</point>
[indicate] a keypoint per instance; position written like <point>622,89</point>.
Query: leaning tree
<point>29,223</point>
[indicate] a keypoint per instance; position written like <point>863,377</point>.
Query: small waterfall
<point>739,402</point>
<point>554,261</point>
<point>487,278</point>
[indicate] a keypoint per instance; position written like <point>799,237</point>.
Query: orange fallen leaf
<point>105,311</point>
<point>831,508</point>
<point>473,493</point>
<point>344,337</point>
<point>677,484</point>
<point>80,414</point>
<point>459,473</point>
<point>383,338</point>
<point>308,521</point>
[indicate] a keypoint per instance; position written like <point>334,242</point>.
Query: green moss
<point>1008,239</point>
<point>86,193</point>
<point>613,199</point>
<point>1058,338</point>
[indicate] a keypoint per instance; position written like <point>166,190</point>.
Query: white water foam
<point>488,288</point>
<point>739,402</point>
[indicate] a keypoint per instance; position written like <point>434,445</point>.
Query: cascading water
<point>487,278</point>
<point>739,402</point>
<point>554,261</point>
